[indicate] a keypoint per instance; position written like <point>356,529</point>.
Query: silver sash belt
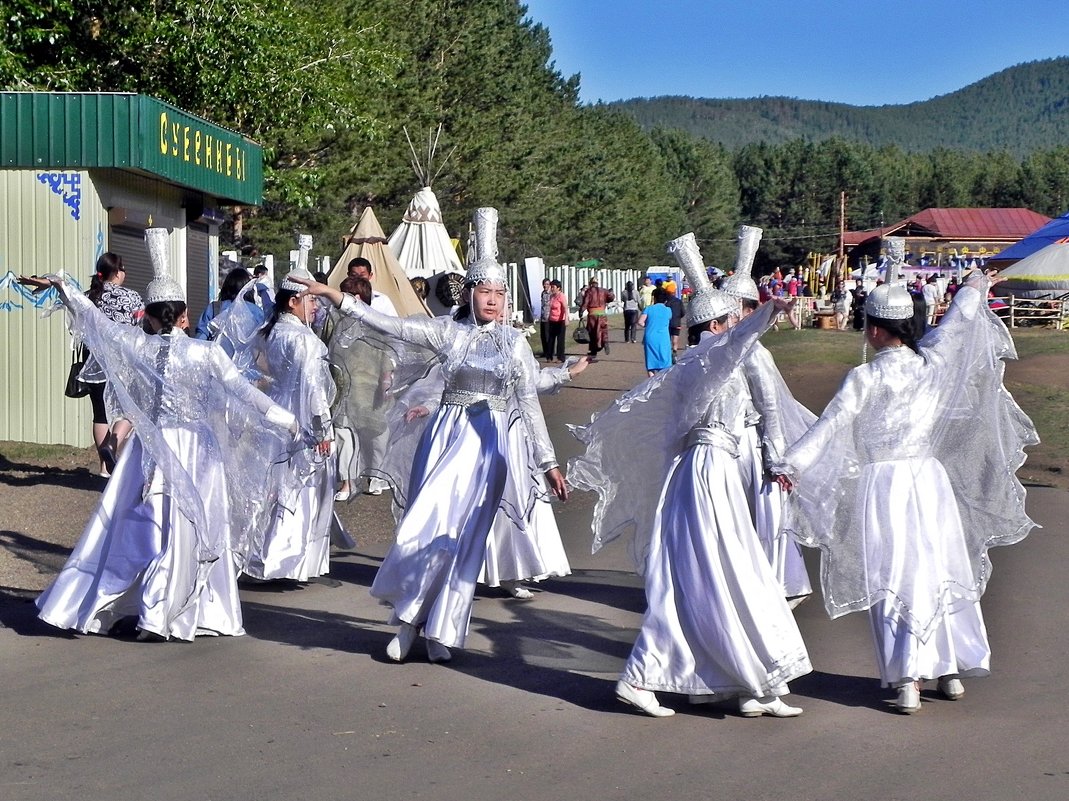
<point>717,437</point>
<point>460,397</point>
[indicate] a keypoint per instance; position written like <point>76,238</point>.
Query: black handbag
<point>580,334</point>
<point>76,388</point>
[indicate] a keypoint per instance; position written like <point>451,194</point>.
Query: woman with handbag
<point>120,305</point>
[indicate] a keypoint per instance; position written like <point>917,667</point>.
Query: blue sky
<point>861,52</point>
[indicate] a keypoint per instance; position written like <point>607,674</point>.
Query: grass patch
<point>35,452</point>
<point>814,346</point>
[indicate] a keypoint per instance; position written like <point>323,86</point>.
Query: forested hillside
<point>1020,110</point>
<point>328,87</point>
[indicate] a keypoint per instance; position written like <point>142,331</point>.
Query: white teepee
<point>421,242</point>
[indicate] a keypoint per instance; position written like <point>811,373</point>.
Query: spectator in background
<point>265,289</point>
<point>547,293</point>
<point>232,284</point>
<point>931,295</point>
<point>557,321</point>
<point>630,299</point>
<point>645,293</point>
<point>594,304</point>
<point>120,305</point>
<point>362,268</point>
<point>675,325</point>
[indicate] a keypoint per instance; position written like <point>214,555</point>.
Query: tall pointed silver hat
<point>741,283</point>
<point>706,302</point>
<point>304,246</point>
<point>483,267</point>
<point>890,300</point>
<point>162,287</point>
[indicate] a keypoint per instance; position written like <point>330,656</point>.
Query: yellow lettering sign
<point>163,134</point>
<point>191,144</point>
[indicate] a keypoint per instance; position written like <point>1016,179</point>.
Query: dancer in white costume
<point>908,478</point>
<point>717,624</point>
<point>164,543</point>
<point>779,422</point>
<point>460,470</point>
<point>524,543</point>
<point>296,542</point>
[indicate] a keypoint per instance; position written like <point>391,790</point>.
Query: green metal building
<point>81,174</point>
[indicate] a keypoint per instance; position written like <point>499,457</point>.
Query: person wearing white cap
<point>778,421</point>
<point>295,545</point>
<point>717,625</point>
<point>462,465</point>
<point>162,549</point>
<point>908,478</point>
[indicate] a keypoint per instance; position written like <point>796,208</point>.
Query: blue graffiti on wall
<point>68,185</point>
<point>13,294</point>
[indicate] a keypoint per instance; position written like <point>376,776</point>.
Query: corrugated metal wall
<point>49,220</point>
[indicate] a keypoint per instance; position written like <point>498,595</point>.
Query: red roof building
<point>939,234</point>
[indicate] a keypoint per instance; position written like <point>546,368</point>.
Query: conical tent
<point>1043,274</point>
<point>367,239</point>
<point>423,247</point>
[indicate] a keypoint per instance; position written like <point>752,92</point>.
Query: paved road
<point>306,706</point>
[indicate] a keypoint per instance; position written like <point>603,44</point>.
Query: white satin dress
<point>717,621</point>
<point>160,545</point>
<point>461,467</point>
<point>296,541</point>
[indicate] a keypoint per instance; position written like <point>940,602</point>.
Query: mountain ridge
<point>1020,109</point>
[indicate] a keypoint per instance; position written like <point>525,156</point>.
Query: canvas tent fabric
<point>1044,274</point>
<point>1050,233</point>
<point>367,239</point>
<point>422,244</point>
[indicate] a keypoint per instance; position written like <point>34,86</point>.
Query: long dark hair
<point>167,312</point>
<point>909,330</point>
<point>282,305</point>
<point>107,266</point>
<point>232,284</point>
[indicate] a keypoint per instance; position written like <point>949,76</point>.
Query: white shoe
<point>517,590</point>
<point>401,644</point>
<point>909,698</point>
<point>796,600</point>
<point>951,687</point>
<point>343,495</point>
<point>643,700</point>
<point>376,486</point>
<point>756,707</point>
<point>438,653</point>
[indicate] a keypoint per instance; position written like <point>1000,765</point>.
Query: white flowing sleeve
<point>530,409</point>
<point>427,332</point>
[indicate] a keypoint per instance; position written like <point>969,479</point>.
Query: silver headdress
<point>741,283</point>
<point>483,267</point>
<point>304,245</point>
<point>706,302</point>
<point>162,287</point>
<point>891,300</point>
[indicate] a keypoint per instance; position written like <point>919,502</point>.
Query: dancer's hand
<point>579,366</point>
<point>785,483</point>
<point>555,479</point>
<point>416,412</point>
<point>38,284</point>
<point>323,447</point>
<point>783,305</point>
